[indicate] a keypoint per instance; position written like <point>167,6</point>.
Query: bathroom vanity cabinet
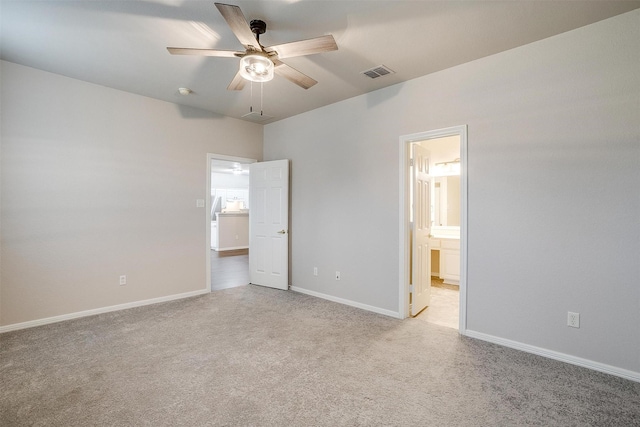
<point>449,267</point>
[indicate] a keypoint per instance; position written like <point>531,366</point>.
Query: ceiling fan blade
<point>304,47</point>
<point>236,20</point>
<point>237,83</point>
<point>293,75</point>
<point>203,52</point>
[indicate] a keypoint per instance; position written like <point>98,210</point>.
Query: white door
<point>269,224</point>
<point>421,260</point>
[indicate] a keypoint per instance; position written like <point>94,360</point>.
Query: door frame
<point>210,158</point>
<point>404,229</point>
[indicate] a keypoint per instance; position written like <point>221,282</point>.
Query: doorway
<point>227,231</point>
<point>445,270</point>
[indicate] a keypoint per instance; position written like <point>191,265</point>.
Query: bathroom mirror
<point>445,204</point>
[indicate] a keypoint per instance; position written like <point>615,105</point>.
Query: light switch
<point>199,203</point>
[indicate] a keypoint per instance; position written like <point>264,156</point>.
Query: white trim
<point>231,248</point>
<point>464,230</point>
<point>405,141</point>
<point>347,302</point>
<point>93,312</point>
<point>207,240</point>
<point>562,357</point>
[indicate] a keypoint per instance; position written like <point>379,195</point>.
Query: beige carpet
<point>251,356</point>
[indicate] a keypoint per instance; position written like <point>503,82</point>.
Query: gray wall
<point>97,183</point>
<point>553,175</point>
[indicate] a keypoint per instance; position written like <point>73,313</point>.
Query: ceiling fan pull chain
<point>251,102</point>
<point>261,93</point>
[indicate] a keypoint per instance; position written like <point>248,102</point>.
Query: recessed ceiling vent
<point>378,71</point>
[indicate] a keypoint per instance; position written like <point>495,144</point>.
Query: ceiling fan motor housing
<point>258,27</point>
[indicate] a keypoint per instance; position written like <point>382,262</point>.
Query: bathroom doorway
<point>444,238</point>
<point>227,222</point>
<point>445,266</point>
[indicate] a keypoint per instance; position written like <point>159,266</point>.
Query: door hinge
<point>410,162</point>
<point>411,288</point>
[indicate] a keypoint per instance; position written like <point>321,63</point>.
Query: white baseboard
<point>230,248</point>
<point>347,302</point>
<point>61,318</point>
<point>573,360</point>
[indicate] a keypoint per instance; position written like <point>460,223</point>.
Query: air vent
<point>378,71</point>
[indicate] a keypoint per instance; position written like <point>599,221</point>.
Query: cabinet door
<point>450,265</point>
<point>238,194</point>
<point>245,197</point>
<point>233,195</point>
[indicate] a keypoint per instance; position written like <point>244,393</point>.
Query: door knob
<point>282,232</point>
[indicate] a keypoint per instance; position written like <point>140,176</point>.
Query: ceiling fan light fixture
<point>256,68</point>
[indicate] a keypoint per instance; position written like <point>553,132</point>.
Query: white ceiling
<point>122,44</point>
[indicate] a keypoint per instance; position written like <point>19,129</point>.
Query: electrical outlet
<point>337,275</point>
<point>573,319</point>
<point>315,271</point>
<point>123,280</point>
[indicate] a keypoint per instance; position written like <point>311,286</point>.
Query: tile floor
<point>444,308</point>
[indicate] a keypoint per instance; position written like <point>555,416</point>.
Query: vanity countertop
<point>442,236</point>
<point>445,232</point>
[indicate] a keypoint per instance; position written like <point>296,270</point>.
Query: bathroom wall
<point>453,200</point>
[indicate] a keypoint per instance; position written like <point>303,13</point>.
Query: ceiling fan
<point>258,63</point>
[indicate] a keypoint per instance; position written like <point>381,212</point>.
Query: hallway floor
<point>229,269</point>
